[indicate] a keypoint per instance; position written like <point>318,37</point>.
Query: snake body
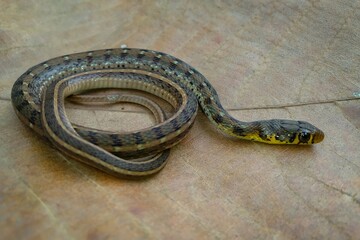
<point>38,99</point>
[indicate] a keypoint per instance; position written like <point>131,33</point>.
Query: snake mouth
<point>318,136</point>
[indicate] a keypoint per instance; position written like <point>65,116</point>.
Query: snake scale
<point>38,99</point>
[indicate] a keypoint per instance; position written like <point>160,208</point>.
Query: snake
<point>38,97</point>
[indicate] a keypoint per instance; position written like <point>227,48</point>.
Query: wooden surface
<point>267,59</point>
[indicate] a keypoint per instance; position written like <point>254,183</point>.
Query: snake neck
<point>225,122</point>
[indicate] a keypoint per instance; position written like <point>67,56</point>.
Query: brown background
<point>267,59</point>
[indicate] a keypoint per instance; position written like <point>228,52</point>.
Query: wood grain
<point>267,59</point>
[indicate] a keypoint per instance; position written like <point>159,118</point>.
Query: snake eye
<point>304,137</point>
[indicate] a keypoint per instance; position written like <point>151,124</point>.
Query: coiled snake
<point>38,99</point>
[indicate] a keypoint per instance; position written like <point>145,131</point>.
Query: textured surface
<point>263,57</point>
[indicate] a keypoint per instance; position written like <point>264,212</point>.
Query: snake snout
<point>309,134</point>
<point>318,136</point>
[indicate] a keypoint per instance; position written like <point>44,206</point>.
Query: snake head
<point>280,131</point>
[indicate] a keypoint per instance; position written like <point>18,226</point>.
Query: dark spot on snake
<point>217,118</point>
<point>188,74</point>
<point>89,59</point>
<point>207,101</point>
<point>175,124</point>
<point>263,136</point>
<point>157,131</point>
<point>156,59</point>
<point>115,140</point>
<point>107,56</point>
<point>92,137</point>
<point>140,55</point>
<point>17,90</point>
<point>313,140</point>
<point>238,131</point>
<point>124,54</point>
<point>22,105</point>
<point>33,116</point>
<point>292,137</point>
<point>172,66</point>
<point>138,138</point>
